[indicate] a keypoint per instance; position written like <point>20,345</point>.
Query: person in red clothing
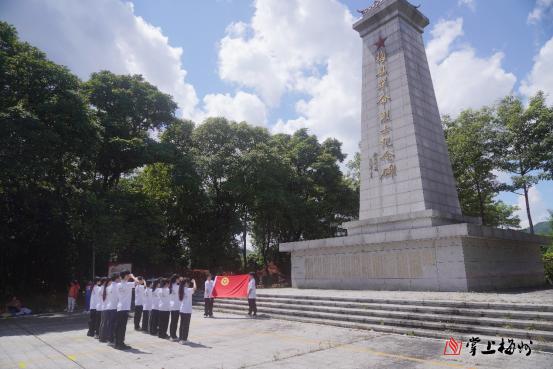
<point>72,295</point>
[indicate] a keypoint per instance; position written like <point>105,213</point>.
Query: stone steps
<point>434,319</point>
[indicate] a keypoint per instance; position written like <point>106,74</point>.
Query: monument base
<point>454,257</point>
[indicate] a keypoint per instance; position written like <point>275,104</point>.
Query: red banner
<point>231,286</point>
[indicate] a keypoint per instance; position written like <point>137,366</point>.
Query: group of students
<point>156,302</point>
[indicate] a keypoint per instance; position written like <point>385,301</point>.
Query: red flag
<point>231,286</point>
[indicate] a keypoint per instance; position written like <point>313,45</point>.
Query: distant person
<point>111,299</point>
<point>164,309</point>
<point>72,294</point>
<point>138,302</point>
<point>252,307</point>
<point>123,307</point>
<point>174,306</point>
<point>208,299</point>
<point>185,296</point>
<point>154,314</point>
<point>15,307</point>
<point>88,295</point>
<point>100,306</point>
<point>92,305</point>
<point>147,309</point>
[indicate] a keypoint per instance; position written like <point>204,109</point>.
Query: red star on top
<point>380,42</point>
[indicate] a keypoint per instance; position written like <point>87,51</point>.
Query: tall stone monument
<point>410,234</point>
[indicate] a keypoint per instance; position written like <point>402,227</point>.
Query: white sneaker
<point>182,342</point>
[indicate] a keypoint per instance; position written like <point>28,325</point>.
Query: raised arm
<point>194,285</point>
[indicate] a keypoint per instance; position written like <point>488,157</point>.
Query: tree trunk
<point>481,204</point>
<point>244,234</point>
<point>528,209</point>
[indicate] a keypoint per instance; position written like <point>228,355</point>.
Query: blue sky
<point>287,64</point>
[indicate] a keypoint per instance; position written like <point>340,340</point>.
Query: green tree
<point>47,140</point>
<point>472,152</point>
<point>127,108</point>
<point>522,148</point>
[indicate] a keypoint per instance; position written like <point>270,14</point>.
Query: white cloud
<point>471,4</point>
<point>538,209</point>
<point>541,76</point>
<point>89,36</point>
<point>542,9</point>
<point>461,78</point>
<point>241,107</point>
<point>303,47</point>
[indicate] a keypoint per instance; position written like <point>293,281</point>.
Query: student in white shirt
<point>147,306</point>
<point>124,291</point>
<point>185,296</point>
<point>164,309</point>
<point>252,307</point>
<point>208,300</point>
<point>138,302</point>
<point>92,310</point>
<point>154,315</point>
<point>100,307</point>
<point>174,305</point>
<point>109,297</point>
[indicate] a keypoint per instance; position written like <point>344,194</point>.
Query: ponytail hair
<point>155,284</point>
<point>172,281</point>
<point>105,286</point>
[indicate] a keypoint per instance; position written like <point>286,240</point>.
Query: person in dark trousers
<point>164,310</point>
<point>147,307</point>
<point>174,306</point>
<point>93,313</point>
<point>185,296</point>
<point>100,305</point>
<point>109,315</point>
<point>124,289</point>
<point>252,307</point>
<point>208,300</point>
<point>154,315</point>
<point>138,302</point>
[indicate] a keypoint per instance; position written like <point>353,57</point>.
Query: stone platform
<point>454,257</point>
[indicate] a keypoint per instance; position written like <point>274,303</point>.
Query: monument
<point>411,234</point>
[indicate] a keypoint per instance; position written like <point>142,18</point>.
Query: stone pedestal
<point>410,233</point>
<point>455,257</point>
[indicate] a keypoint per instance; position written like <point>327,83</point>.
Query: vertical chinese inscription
<point>383,161</point>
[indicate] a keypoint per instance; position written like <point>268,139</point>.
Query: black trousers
<point>121,327</point>
<point>208,306</point>
<point>252,307</point>
<point>92,323</point>
<point>107,326</point>
<point>154,322</point>
<point>174,323</point>
<point>145,320</point>
<point>137,316</point>
<point>184,326</point>
<point>97,323</point>
<point>163,324</point>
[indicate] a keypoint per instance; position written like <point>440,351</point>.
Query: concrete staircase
<point>435,319</point>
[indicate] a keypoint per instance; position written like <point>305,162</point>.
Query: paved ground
<point>232,341</point>
<point>541,296</point>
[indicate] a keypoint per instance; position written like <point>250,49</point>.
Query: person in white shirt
<point>93,316</point>
<point>185,296</point>
<point>174,305</point>
<point>109,297</point>
<point>154,315</point>
<point>138,302</point>
<point>164,309</point>
<point>208,300</point>
<point>252,307</point>
<point>124,291</point>
<point>100,307</point>
<point>147,306</point>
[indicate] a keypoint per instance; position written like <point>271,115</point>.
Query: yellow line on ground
<point>22,364</point>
